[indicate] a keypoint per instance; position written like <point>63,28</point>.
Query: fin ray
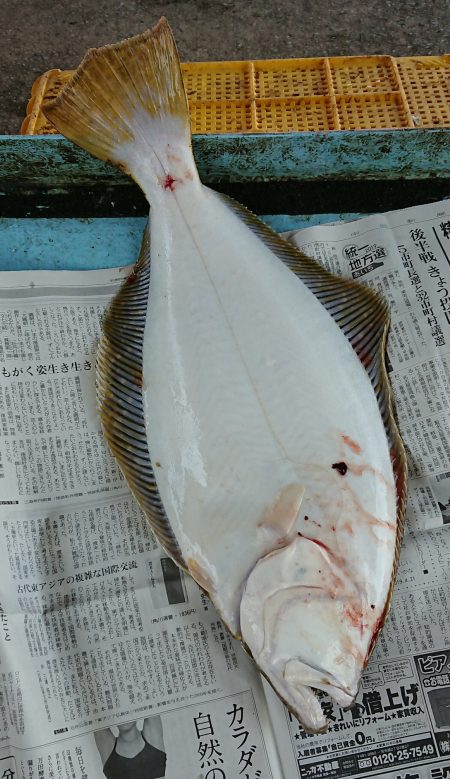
<point>125,100</point>
<point>119,360</point>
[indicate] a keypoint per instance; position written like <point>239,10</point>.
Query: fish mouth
<point>297,673</point>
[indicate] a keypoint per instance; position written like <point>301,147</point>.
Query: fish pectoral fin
<point>281,516</point>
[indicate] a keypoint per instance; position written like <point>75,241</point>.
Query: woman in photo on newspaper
<point>135,754</point>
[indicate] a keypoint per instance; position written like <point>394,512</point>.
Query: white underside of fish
<point>252,394</point>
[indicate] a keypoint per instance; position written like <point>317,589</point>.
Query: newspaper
<point>112,662</point>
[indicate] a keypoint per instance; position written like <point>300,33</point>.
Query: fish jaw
<point>307,626</point>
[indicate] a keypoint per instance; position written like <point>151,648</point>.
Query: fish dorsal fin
<point>119,396</point>
<point>363,316</point>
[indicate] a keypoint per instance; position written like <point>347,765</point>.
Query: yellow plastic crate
<point>427,89</point>
<point>322,93</point>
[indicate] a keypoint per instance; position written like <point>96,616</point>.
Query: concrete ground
<point>41,34</point>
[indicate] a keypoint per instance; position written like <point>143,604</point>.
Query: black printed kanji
<point>391,698</point>
<point>372,702</point>
<point>355,264</point>
<point>445,229</point>
<point>328,710</point>
<point>426,256</point>
<point>417,234</point>
<point>351,252</point>
<point>203,725</point>
<point>209,753</point>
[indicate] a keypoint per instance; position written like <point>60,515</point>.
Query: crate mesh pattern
<point>270,96</point>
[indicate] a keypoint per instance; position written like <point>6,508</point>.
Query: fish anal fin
<point>120,399</point>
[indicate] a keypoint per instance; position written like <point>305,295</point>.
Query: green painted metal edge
<point>53,161</point>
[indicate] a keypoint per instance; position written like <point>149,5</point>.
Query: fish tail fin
<point>126,104</point>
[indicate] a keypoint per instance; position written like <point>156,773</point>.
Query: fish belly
<point>250,394</point>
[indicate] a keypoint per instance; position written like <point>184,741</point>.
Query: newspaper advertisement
<point>399,727</point>
<point>112,662</point>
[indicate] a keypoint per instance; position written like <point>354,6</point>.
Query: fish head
<point>305,626</point>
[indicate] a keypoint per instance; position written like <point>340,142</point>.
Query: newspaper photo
<point>113,663</point>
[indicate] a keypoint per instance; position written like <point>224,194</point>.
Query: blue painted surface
<point>284,222</point>
<point>305,156</point>
<point>77,244</point>
<point>68,244</point>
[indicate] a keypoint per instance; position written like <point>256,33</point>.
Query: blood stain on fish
<point>376,630</point>
<point>371,519</point>
<point>132,278</point>
<point>357,470</point>
<point>169,182</point>
<point>341,467</point>
<point>318,543</point>
<point>355,616</point>
<point>351,444</point>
